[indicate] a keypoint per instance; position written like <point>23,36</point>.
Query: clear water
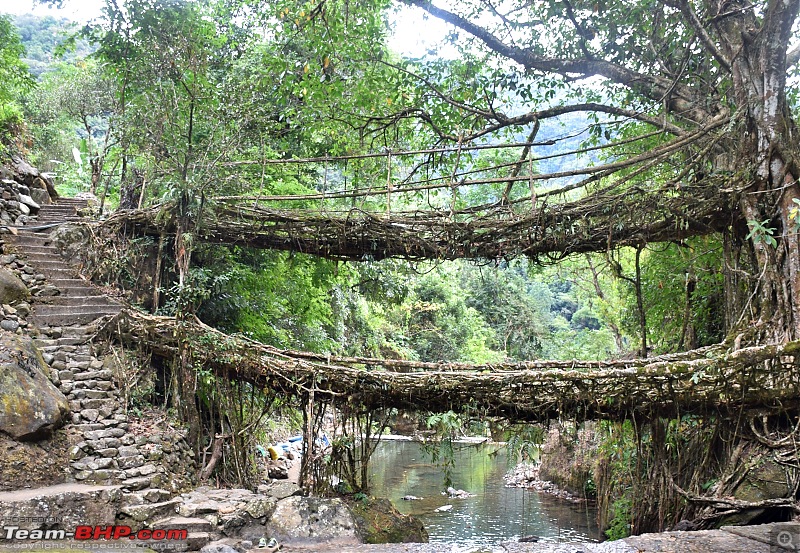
<point>496,513</point>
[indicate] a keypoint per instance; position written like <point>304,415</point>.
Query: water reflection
<point>496,514</point>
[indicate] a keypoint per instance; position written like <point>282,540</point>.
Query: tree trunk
<point>767,168</point>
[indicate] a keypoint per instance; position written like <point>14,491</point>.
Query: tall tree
<point>682,67</point>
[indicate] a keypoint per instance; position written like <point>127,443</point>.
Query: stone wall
<point>23,190</point>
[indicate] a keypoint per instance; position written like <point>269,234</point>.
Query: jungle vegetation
<point>656,138</point>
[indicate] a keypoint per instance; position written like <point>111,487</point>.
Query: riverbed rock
<point>458,494</point>
<point>377,521</point>
<point>312,520</point>
<point>31,407</point>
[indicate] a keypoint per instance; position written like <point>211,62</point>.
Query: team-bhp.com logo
<point>95,533</point>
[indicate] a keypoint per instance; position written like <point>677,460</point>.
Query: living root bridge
<point>590,224</point>
<point>711,380</point>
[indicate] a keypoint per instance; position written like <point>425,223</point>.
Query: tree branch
<point>694,22</point>
<point>793,56</point>
<point>679,100</point>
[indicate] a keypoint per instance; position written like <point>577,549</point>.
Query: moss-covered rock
<point>12,289</point>
<point>767,480</point>
<point>35,464</point>
<point>377,521</point>
<point>31,407</point>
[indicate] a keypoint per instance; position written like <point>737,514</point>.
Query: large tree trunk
<point>767,168</point>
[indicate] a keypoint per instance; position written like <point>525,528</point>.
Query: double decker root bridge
<point>657,196</point>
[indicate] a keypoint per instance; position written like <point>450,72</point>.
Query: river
<point>495,514</point>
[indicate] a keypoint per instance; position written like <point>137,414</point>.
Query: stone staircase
<point>71,300</point>
<point>66,310</point>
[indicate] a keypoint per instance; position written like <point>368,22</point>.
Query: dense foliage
<point>182,89</point>
<point>629,105</point>
<point>14,81</point>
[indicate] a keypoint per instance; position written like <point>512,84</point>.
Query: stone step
<point>84,290</point>
<point>194,542</point>
<point>81,301</point>
<point>105,308</point>
<point>58,342</point>
<point>54,219</point>
<point>77,330</point>
<point>144,496</point>
<point>190,524</point>
<point>41,250</point>
<point>197,540</point>
<point>151,511</point>
<point>59,319</point>
<point>67,503</point>
<point>56,213</point>
<point>64,271</point>
<point>30,239</point>
<point>70,283</point>
<point>62,201</point>
<point>63,205</point>
<point>67,213</point>
<point>43,260</point>
<point>49,345</point>
<point>69,331</point>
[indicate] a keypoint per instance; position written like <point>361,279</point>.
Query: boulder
<point>31,407</point>
<point>28,201</point>
<point>40,196</point>
<point>768,479</point>
<point>312,520</point>
<point>377,521</point>
<point>70,240</point>
<point>219,548</point>
<point>12,289</point>
<point>24,172</point>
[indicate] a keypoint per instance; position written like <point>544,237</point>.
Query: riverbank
<point>766,538</point>
<point>763,538</point>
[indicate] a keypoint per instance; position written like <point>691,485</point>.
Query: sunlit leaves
<point>14,76</point>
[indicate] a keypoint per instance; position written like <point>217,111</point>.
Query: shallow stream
<point>495,514</point>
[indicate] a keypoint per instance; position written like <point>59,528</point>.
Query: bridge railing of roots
<point>469,201</point>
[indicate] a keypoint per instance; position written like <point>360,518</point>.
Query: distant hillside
<point>42,37</point>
